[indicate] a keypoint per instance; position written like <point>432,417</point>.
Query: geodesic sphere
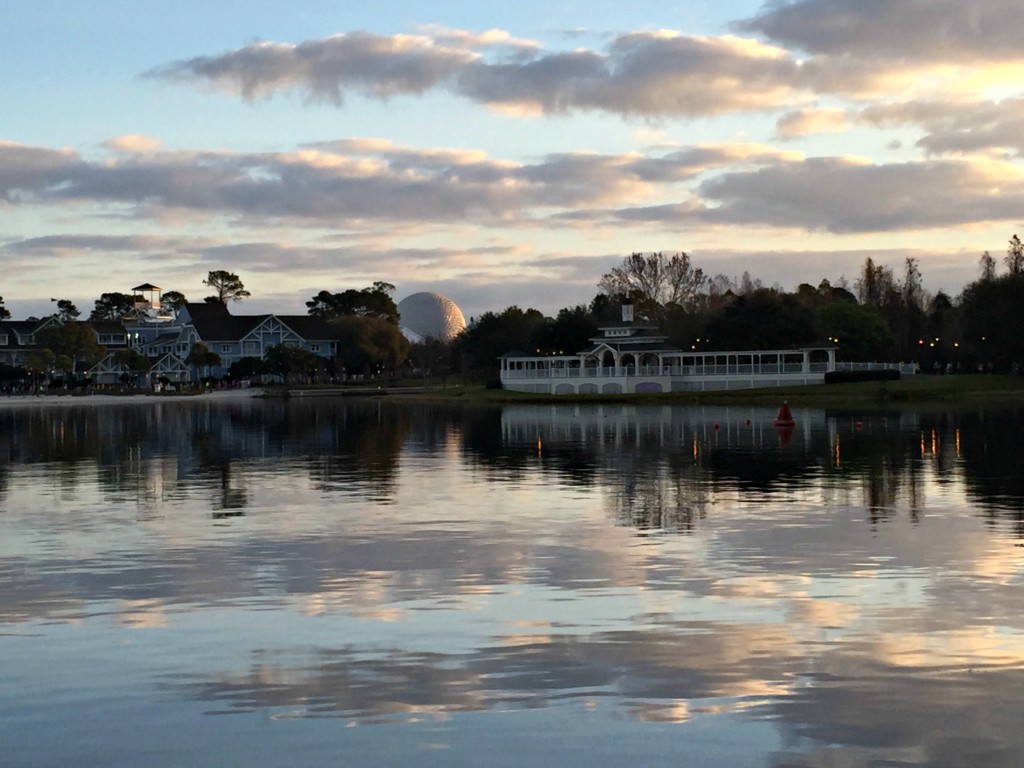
<point>431,315</point>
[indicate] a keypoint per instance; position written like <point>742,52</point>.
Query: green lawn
<point>949,391</point>
<point>923,390</point>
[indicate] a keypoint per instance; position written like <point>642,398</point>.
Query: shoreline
<point>74,401</point>
<point>917,392</point>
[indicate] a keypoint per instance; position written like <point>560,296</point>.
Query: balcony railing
<point>649,371</point>
<point>764,369</point>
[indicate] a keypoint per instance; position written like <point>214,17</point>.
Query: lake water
<point>265,583</point>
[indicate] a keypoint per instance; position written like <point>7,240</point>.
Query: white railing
<point>769,369</point>
<point>698,371</point>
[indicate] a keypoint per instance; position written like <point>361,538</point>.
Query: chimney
<point>627,310</point>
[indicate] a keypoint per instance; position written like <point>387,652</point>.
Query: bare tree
<point>1015,256</point>
<point>663,279</point>
<point>913,287</point>
<point>988,266</point>
<point>874,284</point>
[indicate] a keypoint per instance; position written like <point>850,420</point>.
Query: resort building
<point>18,339</point>
<point>635,358</point>
<point>167,338</point>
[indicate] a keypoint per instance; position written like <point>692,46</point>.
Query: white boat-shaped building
<point>635,358</point>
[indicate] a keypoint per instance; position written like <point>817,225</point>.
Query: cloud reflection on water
<point>859,587</point>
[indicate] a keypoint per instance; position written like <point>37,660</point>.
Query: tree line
<point>884,316</point>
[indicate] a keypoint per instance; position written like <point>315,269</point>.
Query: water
<point>264,583</point>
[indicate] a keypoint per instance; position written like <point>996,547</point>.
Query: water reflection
<point>846,594</point>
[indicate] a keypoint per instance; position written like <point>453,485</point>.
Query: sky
<point>500,154</point>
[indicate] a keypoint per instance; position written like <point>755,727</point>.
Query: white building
<point>635,358</point>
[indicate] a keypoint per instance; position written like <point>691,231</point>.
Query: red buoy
<point>785,417</point>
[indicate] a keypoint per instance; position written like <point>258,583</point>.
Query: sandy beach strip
<point>75,401</point>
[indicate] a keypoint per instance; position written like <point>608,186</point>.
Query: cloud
<point>354,183</point>
<point>81,243</point>
<point>133,143</point>
<point>957,127</point>
<point>24,168</point>
<point>916,30</point>
<point>641,73</point>
<point>645,74</point>
<point>878,48</point>
<point>374,65</point>
<point>805,122</point>
<point>842,195</point>
<point>373,186</point>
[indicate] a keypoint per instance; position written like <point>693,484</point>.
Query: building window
<point>225,347</point>
<point>3,339</point>
<point>314,347</point>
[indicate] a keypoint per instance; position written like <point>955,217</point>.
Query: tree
<point>112,306</point>
<point>604,309</point>
<point>39,361</point>
<point>988,266</point>
<point>912,287</point>
<point>173,300</point>
<point>661,279</point>
<point>993,325</point>
<point>570,331</point>
<point>368,345</point>
<point>292,363</point>
<point>430,358</point>
<point>133,360</point>
<point>1015,256</point>
<point>227,286</point>
<point>202,358</point>
<point>374,301</point>
<point>66,311</point>
<point>764,319</point>
<point>5,313</point>
<point>247,368</point>
<point>860,330</point>
<point>73,340</point>
<point>874,283</point>
<point>492,335</point>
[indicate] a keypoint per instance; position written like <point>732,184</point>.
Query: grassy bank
<point>923,391</point>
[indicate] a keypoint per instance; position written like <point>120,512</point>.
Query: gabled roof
<point>163,338</point>
<point>308,327</point>
<point>213,322</point>
<point>107,326</point>
<point>634,333</point>
<point>29,326</point>
<point>16,329</point>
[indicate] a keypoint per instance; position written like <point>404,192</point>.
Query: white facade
<point>610,371</point>
<point>631,358</point>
